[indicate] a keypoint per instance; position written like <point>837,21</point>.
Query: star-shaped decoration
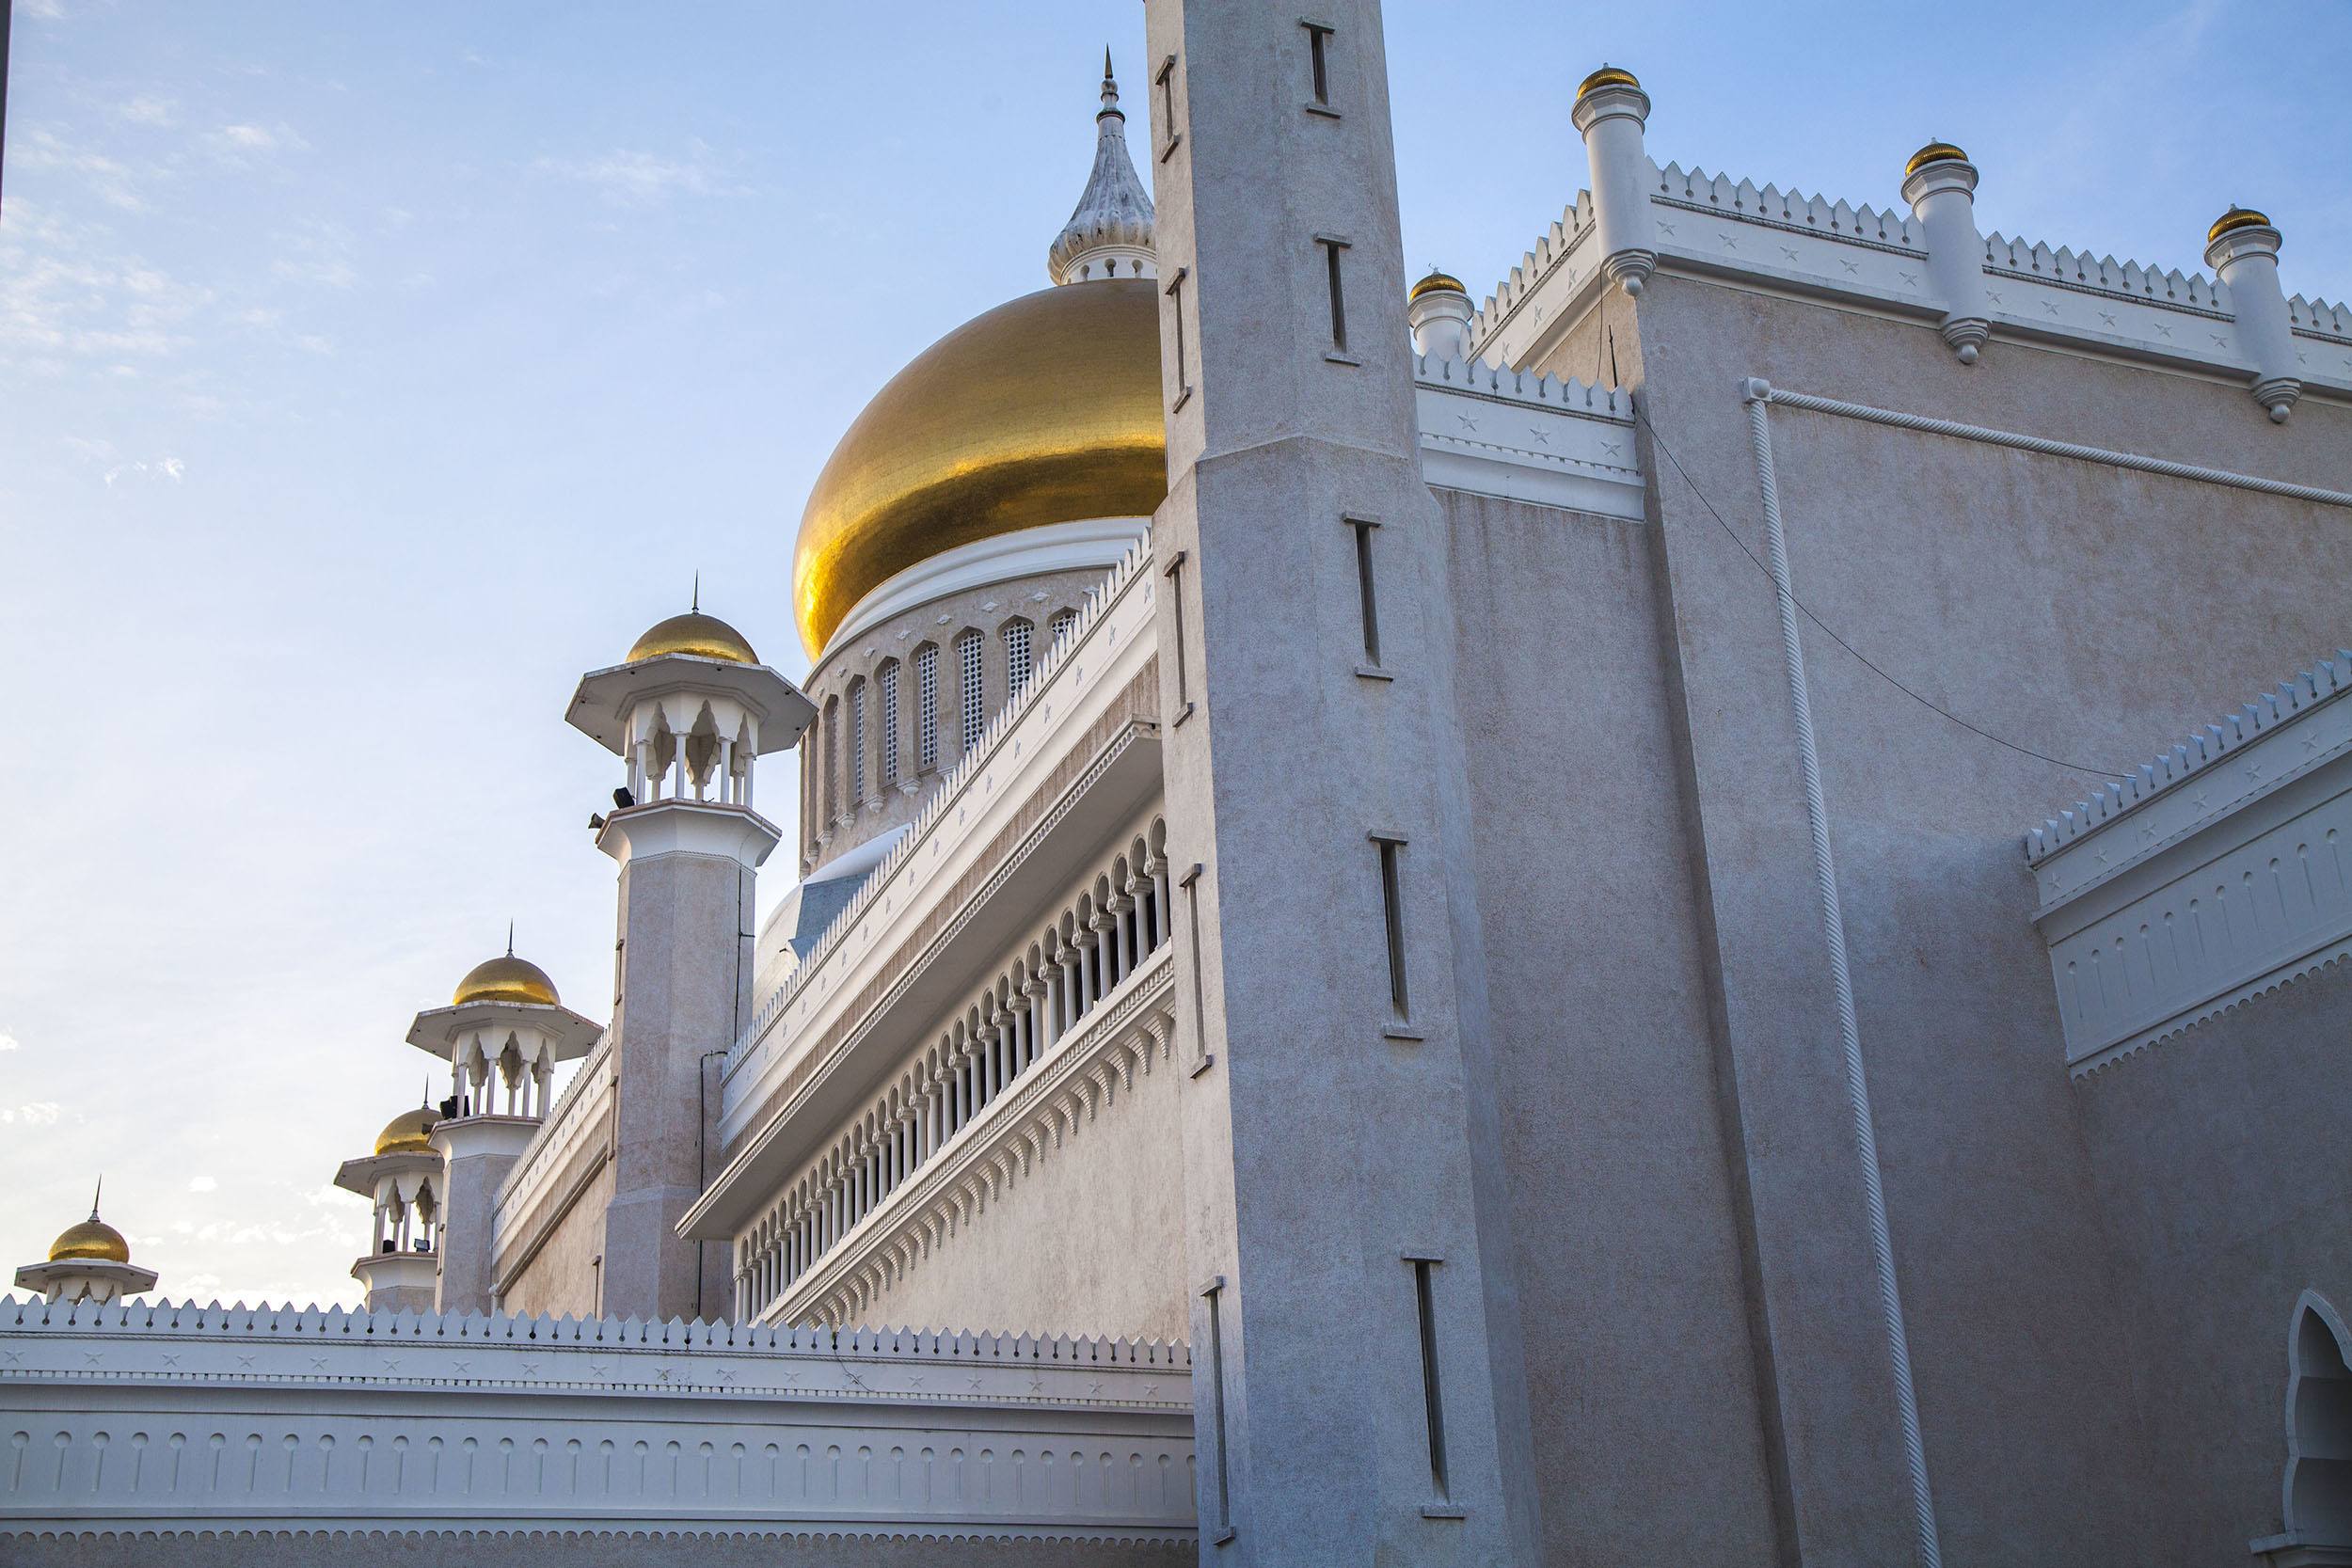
<point>461,1365</point>
<point>2253,769</point>
<point>1095,1387</point>
<point>2049,307</point>
<point>915,1381</point>
<point>1614,448</point>
<point>976,1382</point>
<point>1151,1388</point>
<point>2311,743</point>
<point>169,1360</point>
<point>1728,242</point>
<point>2107,317</point>
<point>1537,434</point>
<point>1667,229</point>
<point>92,1357</point>
<point>1036,1384</point>
<point>2162,330</point>
<point>855,1381</point>
<point>1990,298</point>
<point>318,1363</point>
<point>530,1369</point>
<point>245,1361</point>
<point>600,1369</point>
<point>1789,251</point>
<point>2218,341</point>
<point>662,1374</point>
<point>391,1364</point>
<point>1853,267</point>
<point>2147,832</point>
<point>2197,797</point>
<point>1911,279</point>
<point>1468,423</point>
<point>722,1374</point>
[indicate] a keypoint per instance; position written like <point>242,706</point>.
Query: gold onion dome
<point>93,1241</point>
<point>2233,220</point>
<point>505,978</point>
<point>1934,152</point>
<point>1435,281</point>
<point>1045,409</point>
<point>1607,76</point>
<point>408,1132</point>
<point>696,634</point>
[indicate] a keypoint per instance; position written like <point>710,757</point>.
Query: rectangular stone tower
<point>1359,1389</point>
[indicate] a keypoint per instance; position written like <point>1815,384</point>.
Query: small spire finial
<point>510,938</point>
<point>697,605</point>
<point>94,1194</point>
<point>1110,88</point>
<point>426,1102</point>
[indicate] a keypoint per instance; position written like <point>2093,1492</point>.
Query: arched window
<point>968,681</point>
<point>1059,627</point>
<point>1017,637</point>
<point>927,707</point>
<point>886,681</point>
<point>857,743</point>
<point>832,760</point>
<point>2317,1502</point>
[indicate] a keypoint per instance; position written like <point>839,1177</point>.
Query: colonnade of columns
<point>504,1084</point>
<point>1104,937</point>
<point>401,1222</point>
<point>726,768</point>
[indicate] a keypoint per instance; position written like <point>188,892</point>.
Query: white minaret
<point>690,712</point>
<point>1610,113</point>
<point>90,1262</point>
<point>1110,234</point>
<point>1438,311</point>
<point>503,1034</point>
<point>402,1177</point>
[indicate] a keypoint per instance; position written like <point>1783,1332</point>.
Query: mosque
<point>1643,919</point>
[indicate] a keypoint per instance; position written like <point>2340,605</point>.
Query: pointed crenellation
<point>2316,318</point>
<point>1575,225</point>
<point>2327,681</point>
<point>1562,395</point>
<point>1110,232</point>
<point>2079,269</point>
<point>1696,187</point>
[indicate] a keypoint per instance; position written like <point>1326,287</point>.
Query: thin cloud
<point>9,1042</point>
<point>145,110</point>
<point>33,1113</point>
<point>635,177</point>
<point>202,1184</point>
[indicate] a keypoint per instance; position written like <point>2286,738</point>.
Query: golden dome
<point>703,636</point>
<point>1434,281</point>
<point>2233,220</point>
<point>93,1241</point>
<point>505,978</point>
<point>1045,409</point>
<point>407,1133</point>
<point>1934,152</point>
<point>1607,76</point>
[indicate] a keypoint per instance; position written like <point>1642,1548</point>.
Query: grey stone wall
<point>2226,1178</point>
<point>2078,610</point>
<point>560,1277</point>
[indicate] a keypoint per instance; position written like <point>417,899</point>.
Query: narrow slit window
<point>1175,576</point>
<point>1166,81</point>
<point>1175,293</point>
<point>1190,883</point>
<point>927,706</point>
<point>1393,910</point>
<point>1220,1526</point>
<point>857,744</point>
<point>1016,658</point>
<point>833,759</point>
<point>1319,62</point>
<point>968,678</point>
<point>1425,1301</point>
<point>888,682</point>
<point>1333,246</point>
<point>1365,595</point>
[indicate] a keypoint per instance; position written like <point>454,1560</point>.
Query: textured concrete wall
<point>1090,1242</point>
<point>561,1276</point>
<point>1638,1351</point>
<point>987,610</point>
<point>565,1549</point>
<point>2226,1176</point>
<point>2076,610</point>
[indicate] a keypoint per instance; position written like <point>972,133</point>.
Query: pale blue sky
<point>370,371</point>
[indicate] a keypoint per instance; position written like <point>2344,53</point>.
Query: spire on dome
<point>1110,234</point>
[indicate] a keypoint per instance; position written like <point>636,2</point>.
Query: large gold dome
<point>93,1241</point>
<point>1044,411</point>
<point>505,978</point>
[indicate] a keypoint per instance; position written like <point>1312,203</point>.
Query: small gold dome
<point>1607,76</point>
<point>93,1241</point>
<point>505,978</point>
<point>1934,152</point>
<point>1045,409</point>
<point>702,636</point>
<point>408,1132</point>
<point>1435,281</point>
<point>2233,220</point>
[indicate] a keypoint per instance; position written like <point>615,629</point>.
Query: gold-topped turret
<point>91,1240</point>
<point>1607,76</point>
<point>1934,152</point>
<point>409,1132</point>
<point>696,635</point>
<point>2234,219</point>
<point>1432,283</point>
<point>506,979</point>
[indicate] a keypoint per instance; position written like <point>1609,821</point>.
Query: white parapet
<point>2215,873</point>
<point>180,1417</point>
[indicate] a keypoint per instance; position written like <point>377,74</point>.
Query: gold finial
<point>95,1192</point>
<point>1934,152</point>
<point>694,607</point>
<point>2238,217</point>
<point>510,936</point>
<point>1607,76</point>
